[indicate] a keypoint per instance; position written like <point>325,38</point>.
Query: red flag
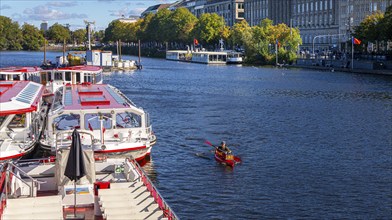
<point>195,42</point>
<point>356,41</point>
<point>104,129</point>
<point>90,127</point>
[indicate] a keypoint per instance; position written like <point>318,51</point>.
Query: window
<point>58,76</point>
<point>93,121</point>
<point>18,121</point>
<point>321,5</point>
<point>67,76</point>
<point>128,120</point>
<point>67,122</point>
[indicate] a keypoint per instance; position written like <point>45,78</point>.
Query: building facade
<point>44,26</point>
<point>326,24</point>
<point>255,11</point>
<point>280,11</point>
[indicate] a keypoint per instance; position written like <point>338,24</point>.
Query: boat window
<point>58,76</point>
<point>67,76</point>
<point>2,118</point>
<point>3,77</point>
<point>49,76</point>
<point>18,121</point>
<point>78,77</point>
<point>58,96</point>
<point>93,121</point>
<point>98,77</point>
<point>67,122</point>
<point>88,77</point>
<point>128,120</point>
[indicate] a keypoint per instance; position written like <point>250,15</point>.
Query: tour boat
<point>234,57</point>
<point>56,77</point>
<point>226,158</point>
<point>118,126</point>
<point>109,189</point>
<point>22,116</point>
<point>20,73</point>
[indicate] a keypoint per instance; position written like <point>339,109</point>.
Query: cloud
<point>136,11</point>
<point>119,13</point>
<point>62,4</point>
<point>3,7</point>
<point>46,13</point>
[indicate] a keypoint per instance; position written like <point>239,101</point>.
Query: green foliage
<point>11,35</point>
<point>32,37</point>
<point>386,25</point>
<point>209,28</point>
<point>79,36</point>
<point>259,41</point>
<point>183,23</point>
<point>58,33</point>
<point>370,28</point>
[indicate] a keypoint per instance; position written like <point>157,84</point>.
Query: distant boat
<point>206,57</point>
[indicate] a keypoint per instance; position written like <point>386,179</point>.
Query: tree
<point>183,22</point>
<point>370,28</point>
<point>99,35</point>
<point>79,36</point>
<point>386,25</point>
<point>209,28</point>
<point>160,26</point>
<point>58,33</point>
<point>11,35</point>
<point>32,37</point>
<point>240,34</point>
<point>115,31</point>
<point>142,34</point>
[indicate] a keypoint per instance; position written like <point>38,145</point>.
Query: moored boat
<point>108,189</point>
<point>14,73</point>
<point>54,78</point>
<point>22,116</point>
<point>118,126</point>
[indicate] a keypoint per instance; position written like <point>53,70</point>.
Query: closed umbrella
<point>75,164</point>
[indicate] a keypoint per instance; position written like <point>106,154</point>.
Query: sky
<point>72,12</point>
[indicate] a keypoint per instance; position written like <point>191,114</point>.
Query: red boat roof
<point>78,68</point>
<point>92,96</point>
<point>17,97</point>
<point>18,69</point>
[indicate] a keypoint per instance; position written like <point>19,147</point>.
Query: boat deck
<point>118,191</point>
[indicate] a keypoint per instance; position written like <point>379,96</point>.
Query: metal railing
<point>163,205</point>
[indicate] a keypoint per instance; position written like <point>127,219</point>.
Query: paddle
<point>209,143</point>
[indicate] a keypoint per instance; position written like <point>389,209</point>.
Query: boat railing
<point>64,138</point>
<point>163,205</point>
<point>3,188</point>
<point>34,184</point>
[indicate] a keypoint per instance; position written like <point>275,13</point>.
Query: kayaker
<point>224,148</point>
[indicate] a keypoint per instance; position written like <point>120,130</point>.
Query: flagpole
<point>276,50</point>
<point>352,53</point>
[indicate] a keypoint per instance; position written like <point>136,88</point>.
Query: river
<point>314,145</point>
